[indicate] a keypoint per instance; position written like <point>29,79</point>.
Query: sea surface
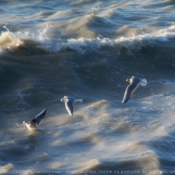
<point>87,49</point>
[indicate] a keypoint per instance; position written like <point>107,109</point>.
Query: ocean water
<point>87,49</point>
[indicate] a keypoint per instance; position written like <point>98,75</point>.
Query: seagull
<point>33,124</point>
<point>134,84</point>
<point>69,102</point>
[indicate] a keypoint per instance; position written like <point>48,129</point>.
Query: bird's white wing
<point>37,120</point>
<point>129,91</point>
<point>69,107</point>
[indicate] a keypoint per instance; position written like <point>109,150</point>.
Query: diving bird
<point>33,124</point>
<point>69,102</point>
<point>134,84</point>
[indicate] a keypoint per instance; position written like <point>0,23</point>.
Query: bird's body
<point>33,124</point>
<point>69,102</point>
<point>134,84</point>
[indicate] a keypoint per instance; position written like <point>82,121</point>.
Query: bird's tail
<point>143,82</point>
<point>79,100</point>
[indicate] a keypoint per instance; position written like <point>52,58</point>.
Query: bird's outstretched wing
<point>129,92</point>
<point>37,120</point>
<point>69,106</point>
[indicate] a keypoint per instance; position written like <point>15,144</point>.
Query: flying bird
<point>33,124</point>
<point>134,84</point>
<point>69,103</point>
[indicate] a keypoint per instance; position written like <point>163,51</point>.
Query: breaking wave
<point>10,41</point>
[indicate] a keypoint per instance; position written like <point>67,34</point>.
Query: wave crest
<point>9,41</point>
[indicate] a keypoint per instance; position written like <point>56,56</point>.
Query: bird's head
<point>62,100</point>
<point>129,80</point>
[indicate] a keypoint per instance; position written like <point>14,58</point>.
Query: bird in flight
<point>33,124</point>
<point>69,103</point>
<point>134,83</point>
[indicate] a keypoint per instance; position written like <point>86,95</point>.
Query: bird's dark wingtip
<point>124,101</point>
<point>44,111</point>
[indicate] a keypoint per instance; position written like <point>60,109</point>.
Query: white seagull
<point>134,84</point>
<point>69,102</point>
<point>33,124</point>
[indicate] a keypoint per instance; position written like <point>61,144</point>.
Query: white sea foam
<point>133,43</point>
<point>11,40</point>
